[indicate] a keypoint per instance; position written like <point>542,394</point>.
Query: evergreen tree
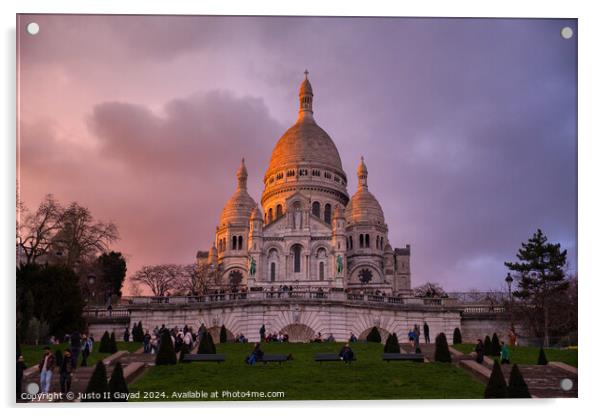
<point>442,349</point>
<point>496,348</point>
<point>97,384</point>
<point>517,388</point>
<point>223,335</point>
<point>374,335</point>
<point>542,359</point>
<point>135,332</point>
<point>206,345</point>
<point>117,384</point>
<point>105,342</point>
<point>540,270</point>
<point>185,350</point>
<point>496,387</point>
<point>138,335</point>
<point>112,343</point>
<point>167,353</point>
<point>487,346</point>
<point>392,344</point>
<point>457,336</point>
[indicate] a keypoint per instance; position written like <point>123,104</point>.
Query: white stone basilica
<point>309,233</point>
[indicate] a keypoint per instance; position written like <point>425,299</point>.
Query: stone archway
<point>383,334</point>
<point>215,330</point>
<point>299,333</point>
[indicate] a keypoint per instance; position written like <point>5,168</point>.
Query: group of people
<point>151,342</point>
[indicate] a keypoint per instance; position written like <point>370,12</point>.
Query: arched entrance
<point>299,333</point>
<point>383,334</point>
<point>215,330</point>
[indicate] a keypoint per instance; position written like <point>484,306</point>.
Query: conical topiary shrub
<point>97,386</point>
<point>112,343</point>
<point>457,336</point>
<point>105,341</point>
<point>223,335</point>
<point>496,348</point>
<point>374,335</point>
<point>517,388</point>
<point>542,359</point>
<point>183,351</point>
<point>442,349</point>
<point>487,346</point>
<point>138,335</point>
<point>206,345</point>
<point>167,353</point>
<point>117,385</point>
<point>496,387</point>
<point>392,344</point>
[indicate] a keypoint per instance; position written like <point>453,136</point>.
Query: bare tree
<point>36,231</point>
<point>160,279</point>
<point>194,278</point>
<point>80,238</point>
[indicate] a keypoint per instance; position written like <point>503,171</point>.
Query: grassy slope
<point>528,355</point>
<point>304,379</point>
<point>33,354</point>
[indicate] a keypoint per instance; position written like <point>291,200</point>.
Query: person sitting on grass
<point>352,338</point>
<point>346,354</point>
<point>479,349</point>
<point>505,354</point>
<point>257,354</point>
<point>330,338</point>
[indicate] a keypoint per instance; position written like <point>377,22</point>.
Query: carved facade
<point>308,231</point>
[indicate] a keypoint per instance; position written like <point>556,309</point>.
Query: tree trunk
<point>546,335</point>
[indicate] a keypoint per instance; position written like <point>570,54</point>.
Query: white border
<point>590,207</point>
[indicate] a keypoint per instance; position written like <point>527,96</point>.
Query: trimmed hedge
<point>517,388</point>
<point>442,349</point>
<point>392,344</point>
<point>166,354</point>
<point>496,387</point>
<point>206,345</point>
<point>97,386</point>
<point>374,335</point>
<point>457,336</point>
<point>117,385</point>
<point>542,359</point>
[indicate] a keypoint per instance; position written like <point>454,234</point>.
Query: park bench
<point>321,356</point>
<point>276,358</point>
<point>217,358</point>
<point>418,358</point>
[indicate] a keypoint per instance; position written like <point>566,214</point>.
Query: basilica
<point>307,232</point>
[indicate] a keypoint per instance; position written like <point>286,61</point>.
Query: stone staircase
<point>133,364</point>
<point>544,381</point>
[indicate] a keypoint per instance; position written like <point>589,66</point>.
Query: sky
<point>468,126</point>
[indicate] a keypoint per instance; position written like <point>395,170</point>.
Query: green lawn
<point>528,355</point>
<point>32,354</point>
<point>303,379</point>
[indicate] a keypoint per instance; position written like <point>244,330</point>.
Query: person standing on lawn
<point>86,350</point>
<point>46,366</point>
<point>425,331</point>
<point>146,341</point>
<point>126,335</point>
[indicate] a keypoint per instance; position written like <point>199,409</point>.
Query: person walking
<point>262,333</point>
<point>86,350</point>
<point>346,354</point>
<point>505,354</point>
<point>146,342</point>
<point>66,368</point>
<point>76,345</point>
<point>425,331</point>
<point>46,366</point>
<point>20,369</point>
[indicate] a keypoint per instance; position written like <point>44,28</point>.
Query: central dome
<point>302,144</point>
<point>305,143</point>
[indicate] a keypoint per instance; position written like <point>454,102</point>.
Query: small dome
<point>238,208</point>
<point>363,206</point>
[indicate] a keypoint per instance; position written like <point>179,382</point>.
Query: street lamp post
<point>509,281</point>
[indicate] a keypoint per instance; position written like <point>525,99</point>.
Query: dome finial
<point>362,174</point>
<point>306,95</point>
<point>241,174</point>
